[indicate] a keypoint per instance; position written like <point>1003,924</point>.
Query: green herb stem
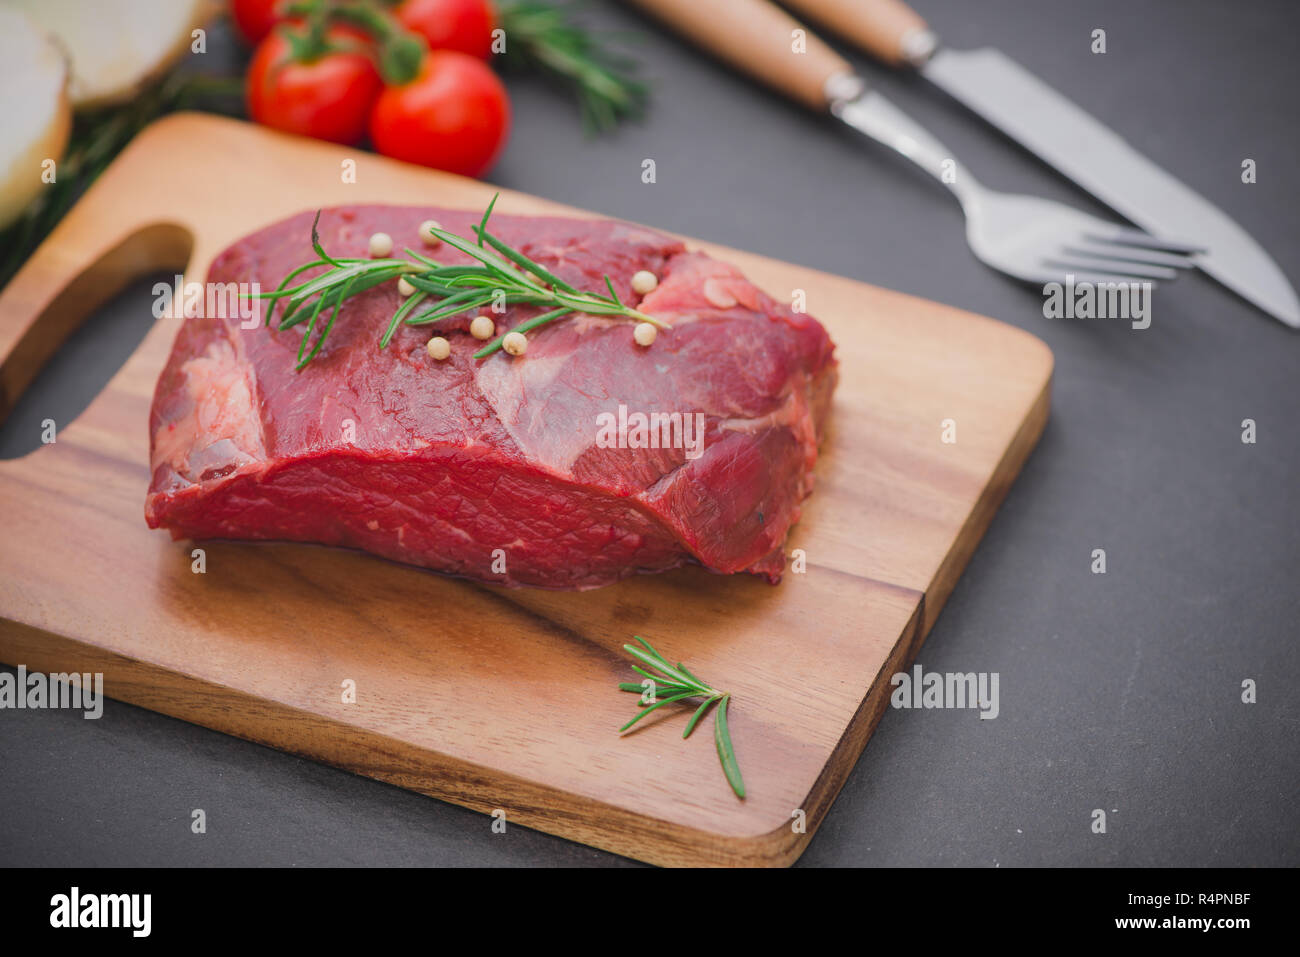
<point>497,272</point>
<point>545,37</point>
<point>677,683</point>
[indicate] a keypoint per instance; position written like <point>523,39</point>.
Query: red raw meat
<point>441,464</point>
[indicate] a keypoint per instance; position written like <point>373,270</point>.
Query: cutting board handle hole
<point>78,370</point>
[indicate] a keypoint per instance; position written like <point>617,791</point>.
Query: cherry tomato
<point>454,115</point>
<point>464,25</point>
<point>255,18</point>
<point>328,97</point>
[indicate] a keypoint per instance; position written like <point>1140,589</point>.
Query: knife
<point>1076,143</point>
<point>1031,239</point>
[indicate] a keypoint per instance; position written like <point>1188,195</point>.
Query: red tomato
<point>255,18</point>
<point>464,25</point>
<point>328,98</point>
<point>454,115</point>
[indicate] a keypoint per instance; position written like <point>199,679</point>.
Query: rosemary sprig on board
<point>446,290</point>
<point>676,683</point>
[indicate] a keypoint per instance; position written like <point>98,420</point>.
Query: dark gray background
<point>1119,691</point>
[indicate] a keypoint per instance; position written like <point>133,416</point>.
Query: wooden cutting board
<point>490,698</point>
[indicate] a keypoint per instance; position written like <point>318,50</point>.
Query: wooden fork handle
<point>757,38</point>
<point>889,30</point>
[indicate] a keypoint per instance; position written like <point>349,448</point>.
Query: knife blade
<point>1073,141</point>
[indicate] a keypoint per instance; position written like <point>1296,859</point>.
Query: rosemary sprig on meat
<point>498,274</point>
<point>676,683</point>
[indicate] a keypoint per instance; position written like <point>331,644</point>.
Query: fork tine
<point>1092,277</point>
<point>1125,271</point>
<point>1129,236</point>
<point>1135,254</point>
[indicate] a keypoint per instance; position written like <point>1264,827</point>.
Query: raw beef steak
<point>507,470</point>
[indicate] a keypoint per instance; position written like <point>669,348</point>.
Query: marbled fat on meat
<point>440,464</point>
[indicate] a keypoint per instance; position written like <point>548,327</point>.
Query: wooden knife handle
<point>759,39</point>
<point>889,30</point>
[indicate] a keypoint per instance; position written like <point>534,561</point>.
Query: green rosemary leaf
<point>682,668</point>
<point>412,301</point>
<point>661,689</point>
<point>482,226</point>
<point>485,257</point>
<point>302,345</point>
<point>452,306</point>
<point>445,274</point>
<point>526,326</point>
<point>649,647</point>
<point>459,295</point>
<point>421,258</point>
<point>726,753</point>
<point>432,287</point>
<point>682,684</point>
<point>320,340</point>
<point>354,284</point>
<point>612,294</point>
<point>655,707</point>
<point>653,677</point>
<point>280,289</point>
<point>695,718</point>
<point>662,665</point>
<point>338,276</point>
<point>315,242</point>
<point>477,281</point>
<point>291,312</point>
<point>541,272</point>
<point>330,277</point>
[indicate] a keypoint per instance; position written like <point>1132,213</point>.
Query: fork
<point>1032,239</point>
